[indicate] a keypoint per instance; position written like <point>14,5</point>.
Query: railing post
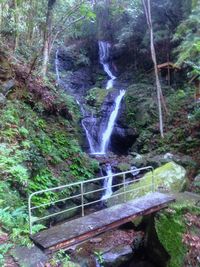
<point>82,200</point>
<point>124,186</point>
<point>153,182</point>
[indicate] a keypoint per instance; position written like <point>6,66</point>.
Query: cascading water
<point>57,67</point>
<point>88,122</point>
<point>88,135</point>
<point>111,122</point>
<point>108,183</point>
<point>104,54</point>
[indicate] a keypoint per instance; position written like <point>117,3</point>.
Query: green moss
<point>170,226</point>
<point>123,166</point>
<point>95,97</point>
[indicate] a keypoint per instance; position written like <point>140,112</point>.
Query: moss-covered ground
<point>178,230</point>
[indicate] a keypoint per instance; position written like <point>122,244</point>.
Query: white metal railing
<point>81,188</point>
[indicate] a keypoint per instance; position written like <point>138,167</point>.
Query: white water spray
<point>111,122</point>
<point>57,67</point>
<point>89,137</point>
<point>108,183</point>
<point>104,48</point>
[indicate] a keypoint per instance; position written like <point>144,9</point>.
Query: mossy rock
<point>5,68</point>
<point>96,96</point>
<point>171,225</point>
<point>123,166</point>
<point>170,177</point>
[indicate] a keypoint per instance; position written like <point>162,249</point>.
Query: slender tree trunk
<point>47,37</point>
<point>1,15</point>
<point>16,40</point>
<point>147,8</point>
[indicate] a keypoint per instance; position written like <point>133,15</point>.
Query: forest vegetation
<point>50,68</point>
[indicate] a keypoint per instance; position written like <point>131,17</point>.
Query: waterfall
<point>108,183</point>
<point>89,123</point>
<point>111,122</point>
<point>57,67</point>
<point>89,137</point>
<point>104,54</point>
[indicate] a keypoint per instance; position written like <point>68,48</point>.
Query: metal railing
<point>81,193</point>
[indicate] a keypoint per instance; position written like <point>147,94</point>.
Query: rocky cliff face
<point>87,84</point>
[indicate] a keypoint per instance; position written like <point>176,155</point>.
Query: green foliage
<point>4,248</point>
<point>37,152</point>
<point>189,48</point>
<point>60,257</point>
<point>99,256</point>
<point>15,221</point>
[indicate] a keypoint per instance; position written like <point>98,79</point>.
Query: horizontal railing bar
<point>87,204</point>
<point>114,195</point>
<point>54,214</point>
<point>88,181</point>
<point>80,185</point>
<point>113,186</point>
<point>143,186</point>
<point>50,203</point>
<point>86,193</point>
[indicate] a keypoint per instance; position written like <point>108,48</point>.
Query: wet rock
<point>197,178</point>
<point>117,256</point>
<point>66,60</point>
<point>123,166</point>
<point>158,160</point>
<point>122,139</point>
<point>7,86</point>
<point>29,257</point>
<point>2,100</point>
<point>138,160</point>
<point>5,68</point>
<point>90,187</point>
<point>65,215</point>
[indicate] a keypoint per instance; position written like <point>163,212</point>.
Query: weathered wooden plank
<point>78,230</point>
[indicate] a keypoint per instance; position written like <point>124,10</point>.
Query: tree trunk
<point>147,8</point>
<point>47,37</point>
<point>16,40</point>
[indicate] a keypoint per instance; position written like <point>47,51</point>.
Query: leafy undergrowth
<point>192,240</point>
<point>178,231</point>
<point>39,149</point>
<point>181,124</point>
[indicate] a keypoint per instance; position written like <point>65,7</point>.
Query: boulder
<point>65,215</point>
<point>29,257</point>
<point>5,68</point>
<point>90,187</point>
<point>117,256</point>
<point>169,177</point>
<point>2,99</point>
<point>123,166</point>
<point>7,86</point>
<point>122,138</point>
<point>159,160</point>
<point>197,178</point>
